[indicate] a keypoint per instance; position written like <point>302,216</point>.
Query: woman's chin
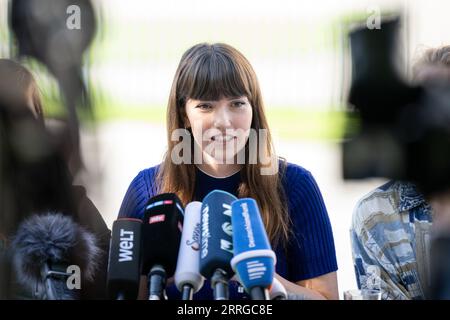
<point>220,159</point>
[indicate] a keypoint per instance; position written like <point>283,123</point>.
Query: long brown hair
<point>209,72</point>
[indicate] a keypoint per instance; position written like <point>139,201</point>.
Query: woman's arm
<point>311,246</point>
<point>320,288</point>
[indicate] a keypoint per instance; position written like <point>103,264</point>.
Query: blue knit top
<point>310,251</point>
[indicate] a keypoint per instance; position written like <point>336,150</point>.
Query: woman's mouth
<point>222,138</point>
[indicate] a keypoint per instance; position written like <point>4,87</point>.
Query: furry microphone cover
<point>54,238</point>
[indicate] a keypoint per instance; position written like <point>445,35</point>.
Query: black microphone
<point>124,268</point>
<point>162,227</point>
<point>46,248</point>
<point>216,241</point>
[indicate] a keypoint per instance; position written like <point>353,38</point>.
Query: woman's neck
<point>219,170</point>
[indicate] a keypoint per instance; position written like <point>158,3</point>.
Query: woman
<point>215,98</point>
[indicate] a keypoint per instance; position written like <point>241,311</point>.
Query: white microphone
<point>187,274</point>
<point>277,291</point>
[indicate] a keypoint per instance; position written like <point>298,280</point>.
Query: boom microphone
<point>187,275</point>
<point>216,241</point>
<point>44,248</point>
<point>124,268</point>
<point>162,227</point>
<point>254,261</point>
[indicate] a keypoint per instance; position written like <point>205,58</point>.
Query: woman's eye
<point>238,104</point>
<point>204,106</point>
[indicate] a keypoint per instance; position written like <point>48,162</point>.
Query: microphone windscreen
<point>188,269</point>
<point>216,233</point>
<point>52,239</point>
<point>253,258</point>
<point>162,227</point>
<point>124,268</point>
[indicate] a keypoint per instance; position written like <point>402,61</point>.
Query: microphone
<point>162,227</point>
<point>45,248</point>
<point>277,291</point>
<point>216,241</point>
<point>253,259</point>
<point>124,268</point>
<point>187,275</point>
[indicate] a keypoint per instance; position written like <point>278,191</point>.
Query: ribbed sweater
<point>310,251</point>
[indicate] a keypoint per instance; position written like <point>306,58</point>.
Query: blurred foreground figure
<point>404,135</point>
<point>33,173</point>
<point>404,129</point>
<point>34,176</point>
<point>34,162</point>
<point>57,33</point>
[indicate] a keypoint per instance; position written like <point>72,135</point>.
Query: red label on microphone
<point>156,219</point>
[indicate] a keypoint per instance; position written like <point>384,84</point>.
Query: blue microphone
<point>253,261</point>
<point>216,241</point>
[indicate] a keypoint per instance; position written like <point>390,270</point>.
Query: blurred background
<point>298,50</point>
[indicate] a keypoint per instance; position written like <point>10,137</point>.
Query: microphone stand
<point>259,293</point>
<point>219,283</point>
<point>157,282</point>
<point>55,283</point>
<point>187,293</point>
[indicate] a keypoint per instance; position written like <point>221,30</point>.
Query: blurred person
<point>34,176</point>
<point>392,226</point>
<point>215,93</point>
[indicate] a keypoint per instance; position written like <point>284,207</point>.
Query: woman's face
<point>221,127</point>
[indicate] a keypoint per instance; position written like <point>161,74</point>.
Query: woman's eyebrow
<point>236,98</point>
<point>214,101</point>
<point>203,101</point>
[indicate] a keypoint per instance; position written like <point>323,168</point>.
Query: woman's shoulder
<point>294,173</point>
<point>145,178</point>
<point>300,186</point>
<point>148,172</point>
<point>140,190</point>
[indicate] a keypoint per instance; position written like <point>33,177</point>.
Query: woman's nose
<point>222,118</point>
